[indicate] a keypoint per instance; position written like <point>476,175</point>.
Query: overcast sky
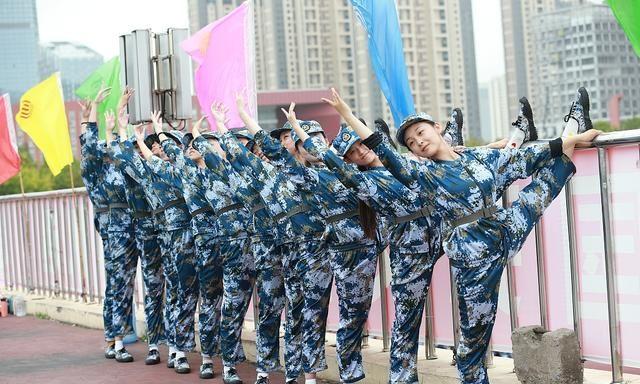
<point>97,24</point>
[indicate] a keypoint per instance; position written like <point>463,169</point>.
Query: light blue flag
<point>380,20</point>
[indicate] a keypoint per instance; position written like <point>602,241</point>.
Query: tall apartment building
<point>75,62</point>
<point>582,46</point>
<point>19,47</point>
<point>319,43</point>
<point>517,29</point>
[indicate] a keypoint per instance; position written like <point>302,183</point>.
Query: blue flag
<point>380,20</point>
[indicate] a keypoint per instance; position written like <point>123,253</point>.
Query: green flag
<point>628,14</point>
<point>109,75</point>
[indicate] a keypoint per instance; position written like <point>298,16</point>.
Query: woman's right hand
<point>338,103</point>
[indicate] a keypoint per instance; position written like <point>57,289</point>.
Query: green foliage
<point>37,177</point>
<point>473,142</point>
<point>42,316</point>
<point>605,126</point>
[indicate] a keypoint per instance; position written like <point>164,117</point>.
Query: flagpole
<point>76,208</point>
<point>27,234</point>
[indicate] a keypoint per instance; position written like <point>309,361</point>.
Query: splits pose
<point>209,214</point>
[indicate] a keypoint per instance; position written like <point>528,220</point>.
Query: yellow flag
<point>43,118</point>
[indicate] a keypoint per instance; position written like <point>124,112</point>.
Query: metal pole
<point>365,335</point>
<point>573,261</point>
<point>256,311</point>
<point>429,335</point>
<point>609,262</point>
<point>513,306</point>
<point>542,289</point>
<point>384,305</point>
<point>455,314</point>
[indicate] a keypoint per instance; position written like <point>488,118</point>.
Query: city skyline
<point>172,13</point>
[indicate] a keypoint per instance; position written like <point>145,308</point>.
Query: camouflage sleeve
<point>348,175</point>
<point>90,149</point>
<point>212,160</point>
<point>165,170</point>
<point>511,164</point>
<point>129,162</point>
<point>273,149</point>
<point>182,164</point>
<point>404,170</point>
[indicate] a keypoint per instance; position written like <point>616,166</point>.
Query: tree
<point>37,177</point>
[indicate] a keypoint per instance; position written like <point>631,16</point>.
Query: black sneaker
<point>231,377</point>
<point>453,131</point>
<point>171,360</point>
<point>123,356</point>
<point>182,365</point>
<point>110,352</point>
<point>580,111</point>
<point>153,357</point>
<point>206,371</point>
<point>291,381</point>
<point>524,128</point>
<point>262,380</point>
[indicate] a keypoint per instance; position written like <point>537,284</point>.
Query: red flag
<point>9,158</point>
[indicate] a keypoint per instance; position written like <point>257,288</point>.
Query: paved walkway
<point>45,351</point>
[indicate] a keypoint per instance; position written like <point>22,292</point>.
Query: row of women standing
<point>209,214</point>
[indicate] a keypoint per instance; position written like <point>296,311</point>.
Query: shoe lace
<point>518,122</point>
<point>574,105</point>
<point>232,372</point>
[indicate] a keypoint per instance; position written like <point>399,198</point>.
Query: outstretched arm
<point>400,167</point>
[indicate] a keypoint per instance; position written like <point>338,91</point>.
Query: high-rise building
<point>495,118</point>
<point>75,63</point>
<point>519,52</point>
<point>318,43</point>
<point>582,46</point>
<point>18,47</point>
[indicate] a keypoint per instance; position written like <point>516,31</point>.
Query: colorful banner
<point>380,20</point>
<point>227,66</point>
<point>628,14</point>
<point>107,75</point>
<point>9,157</point>
<point>43,118</point>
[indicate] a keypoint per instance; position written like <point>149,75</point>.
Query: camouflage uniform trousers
<point>410,280</point>
<point>210,287</point>
<point>308,289</point>
<point>101,221</point>
<point>271,301</point>
<point>478,282</point>
<point>153,278</point>
<point>238,273</point>
<point>185,264</point>
<point>171,285</point>
<point>354,272</point>
<point>124,257</point>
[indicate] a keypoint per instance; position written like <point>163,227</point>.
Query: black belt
<point>481,214</point>
<point>170,204</point>
<point>422,212</point>
<point>201,210</point>
<point>341,216</point>
<point>294,211</point>
<point>101,210</point>
<point>118,206</point>
<point>141,214</point>
<point>257,207</point>
<point>229,208</point>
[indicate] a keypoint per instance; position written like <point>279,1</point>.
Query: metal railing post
<point>384,305</point>
<point>256,310</point>
<point>609,262</point>
<point>573,260</point>
<point>429,334</point>
<point>455,314</point>
<point>542,288</point>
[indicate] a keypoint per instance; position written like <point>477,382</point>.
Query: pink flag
<point>9,158</point>
<point>227,65</point>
